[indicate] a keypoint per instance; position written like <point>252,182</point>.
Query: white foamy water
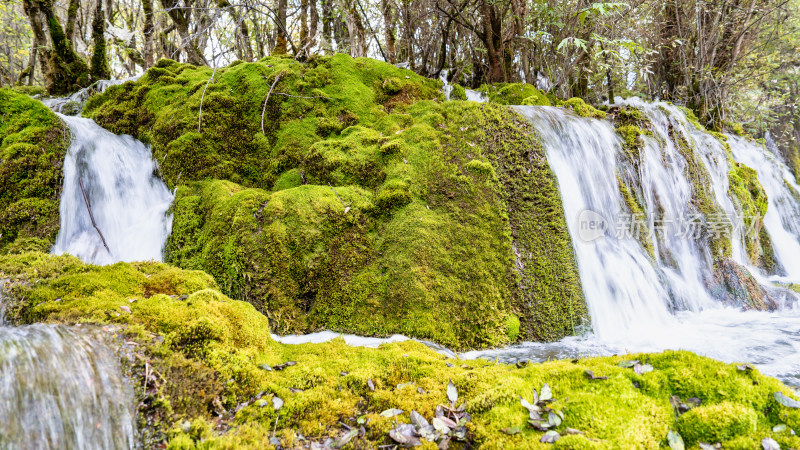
<point>783,213</point>
<point>669,300</point>
<point>128,201</point>
<point>643,304</point>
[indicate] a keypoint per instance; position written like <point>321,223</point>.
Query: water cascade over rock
<point>664,247</point>
<point>60,387</point>
<point>113,207</point>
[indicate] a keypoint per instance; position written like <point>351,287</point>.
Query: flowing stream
<point>668,299</point>
<point>60,388</point>
<point>114,207</point>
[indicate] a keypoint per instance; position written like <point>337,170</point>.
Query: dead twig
<point>264,109</point>
<point>91,216</point>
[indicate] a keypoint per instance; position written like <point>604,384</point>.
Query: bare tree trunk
<point>408,35</point>
<point>149,29</point>
<point>313,25</point>
<point>181,20</point>
<point>281,41</point>
<point>388,27</point>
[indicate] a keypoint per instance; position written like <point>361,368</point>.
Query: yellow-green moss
<point>515,94</point>
<point>583,109</point>
<point>33,142</point>
<point>209,352</point>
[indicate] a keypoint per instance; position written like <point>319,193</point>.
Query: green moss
<point>409,221</point>
<point>458,93</point>
<point>33,142</point>
<point>310,102</point>
<point>515,94</point>
<point>207,387</point>
<point>637,213</point>
<point>717,423</point>
<point>751,199</point>
<point>583,109</point>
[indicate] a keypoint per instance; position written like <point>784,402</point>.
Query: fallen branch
<point>301,96</point>
<point>91,216</point>
<point>264,110</point>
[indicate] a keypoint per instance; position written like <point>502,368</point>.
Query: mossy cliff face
<point>33,142</point>
<point>200,363</point>
<point>368,205</point>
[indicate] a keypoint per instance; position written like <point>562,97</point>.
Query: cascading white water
<point>61,387</point>
<point>115,178</point>
<point>643,303</point>
<point>783,213</point>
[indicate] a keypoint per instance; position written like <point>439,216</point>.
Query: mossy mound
<point>33,142</point>
<point>206,372</point>
<point>435,232</point>
<point>582,108</point>
<point>515,94</point>
<point>258,119</point>
<point>356,200</point>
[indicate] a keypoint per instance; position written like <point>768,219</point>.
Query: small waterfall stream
<point>60,388</point>
<point>114,177</point>
<point>665,300</point>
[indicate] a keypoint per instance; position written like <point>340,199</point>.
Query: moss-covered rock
<point>33,142</point>
<point>366,205</point>
<point>426,234</point>
<point>240,138</point>
<point>515,94</point>
<point>205,369</point>
<point>583,109</point>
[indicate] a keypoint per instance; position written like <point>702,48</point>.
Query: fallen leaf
<point>404,435</point>
<point>342,441</point>
<point>642,368</point>
<point>786,401</point>
<point>392,412</point>
<point>440,426</point>
<point>277,403</point>
<point>417,420</point>
<point>628,364</point>
<point>546,394</point>
<point>550,437</point>
<point>780,428</point>
<point>592,376</point>
<point>370,385</point>
<point>770,444</point>
<point>675,440</point>
<point>452,392</point>
<point>511,430</point>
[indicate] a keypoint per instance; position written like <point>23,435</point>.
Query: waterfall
<point>650,282</point>
<point>113,206</point>
<point>61,388</point>
<point>783,213</point>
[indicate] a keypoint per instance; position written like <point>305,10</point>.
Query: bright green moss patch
<point>515,94</point>
<point>424,223</point>
<point>33,142</point>
<point>215,372</point>
<point>232,139</point>
<point>582,109</point>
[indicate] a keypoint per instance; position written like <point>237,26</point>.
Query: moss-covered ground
<point>346,194</point>
<point>33,142</point>
<point>208,373</point>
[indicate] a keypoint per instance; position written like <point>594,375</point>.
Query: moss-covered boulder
<point>514,94</point>
<point>355,199</point>
<point>33,142</point>
<point>207,372</point>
